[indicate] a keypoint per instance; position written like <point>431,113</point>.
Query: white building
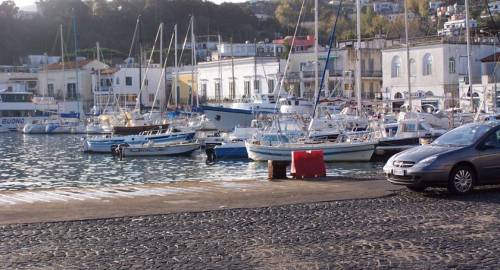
<point>494,6</point>
<point>61,83</point>
<point>386,7</point>
<point>435,71</point>
<point>121,86</point>
<point>252,78</point>
<point>486,93</point>
<point>18,79</point>
<point>456,27</point>
<point>248,49</point>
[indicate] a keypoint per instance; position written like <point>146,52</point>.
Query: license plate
<point>399,172</point>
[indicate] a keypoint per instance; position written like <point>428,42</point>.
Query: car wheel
<point>417,188</point>
<point>462,180</point>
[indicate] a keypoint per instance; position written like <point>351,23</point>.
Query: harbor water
<point>48,161</point>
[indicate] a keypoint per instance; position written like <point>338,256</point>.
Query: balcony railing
<point>371,73</point>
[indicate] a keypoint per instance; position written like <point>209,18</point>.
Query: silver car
<point>459,160</point>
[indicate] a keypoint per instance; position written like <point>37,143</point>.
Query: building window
<point>128,81</point>
<point>427,65</point>
<point>256,86</point>
<point>232,90</point>
<point>117,81</point>
<point>151,98</point>
<point>247,89</point>
<point>217,91</point>
<point>270,86</point>
<point>371,65</point>
<point>396,67</point>
<point>131,98</point>
<point>71,91</point>
<point>413,68</point>
<point>146,82</point>
<point>50,90</point>
<point>204,90</point>
<point>452,65</point>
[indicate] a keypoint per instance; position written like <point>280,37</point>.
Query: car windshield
<point>464,135</point>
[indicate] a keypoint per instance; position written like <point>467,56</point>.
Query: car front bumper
<point>418,177</point>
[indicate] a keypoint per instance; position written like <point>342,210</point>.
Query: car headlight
<point>388,165</point>
<point>427,161</point>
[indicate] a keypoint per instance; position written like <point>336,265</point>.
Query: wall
<point>244,71</point>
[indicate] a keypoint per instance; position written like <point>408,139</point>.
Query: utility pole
<point>410,98</point>
<point>469,64</point>
<point>358,56</point>
<point>316,36</point>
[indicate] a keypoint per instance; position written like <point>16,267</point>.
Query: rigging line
<point>172,86</point>
<point>56,39</point>
<point>132,44</point>
<point>185,40</point>
<point>137,105</point>
<point>162,76</point>
<point>282,81</point>
<point>331,41</point>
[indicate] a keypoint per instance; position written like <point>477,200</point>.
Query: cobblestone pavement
<point>407,230</point>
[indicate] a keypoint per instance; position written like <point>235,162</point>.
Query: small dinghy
<point>156,149</point>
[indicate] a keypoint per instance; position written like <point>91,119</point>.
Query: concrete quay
<point>259,225</point>
<point>92,203</point>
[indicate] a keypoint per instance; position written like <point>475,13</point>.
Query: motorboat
<point>152,148</point>
<point>233,144</point>
<point>104,144</point>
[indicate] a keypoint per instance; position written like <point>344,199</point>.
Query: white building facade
<point>252,78</point>
<point>69,84</point>
<point>435,72</point>
<point>120,86</point>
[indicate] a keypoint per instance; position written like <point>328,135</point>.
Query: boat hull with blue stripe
<point>333,152</point>
<point>233,150</point>
<point>104,144</point>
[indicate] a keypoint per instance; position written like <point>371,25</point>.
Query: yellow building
<point>187,81</point>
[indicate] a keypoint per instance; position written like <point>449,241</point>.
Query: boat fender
<point>210,151</point>
<point>114,149</point>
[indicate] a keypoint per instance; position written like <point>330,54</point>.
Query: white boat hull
<point>13,123</point>
<point>104,144</point>
<point>33,129</point>
<point>65,129</point>
<point>160,150</point>
<point>332,151</point>
<point>226,119</point>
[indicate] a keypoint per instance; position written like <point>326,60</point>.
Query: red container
<point>308,164</point>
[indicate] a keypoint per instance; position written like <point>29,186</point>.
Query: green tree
<point>8,9</point>
<point>287,13</point>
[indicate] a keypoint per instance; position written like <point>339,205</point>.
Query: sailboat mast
<point>76,64</point>
<point>469,65</point>
<point>161,58</point>
<point>98,50</point>
<point>140,62</point>
<point>62,63</point>
<point>358,56</point>
<point>410,98</point>
<point>176,64</point>
<point>193,60</point>
<point>316,31</point>
<point>233,95</point>
<point>219,94</point>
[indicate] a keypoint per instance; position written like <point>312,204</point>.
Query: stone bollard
<point>277,169</point>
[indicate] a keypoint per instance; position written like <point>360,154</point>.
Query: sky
<point>23,3</point>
